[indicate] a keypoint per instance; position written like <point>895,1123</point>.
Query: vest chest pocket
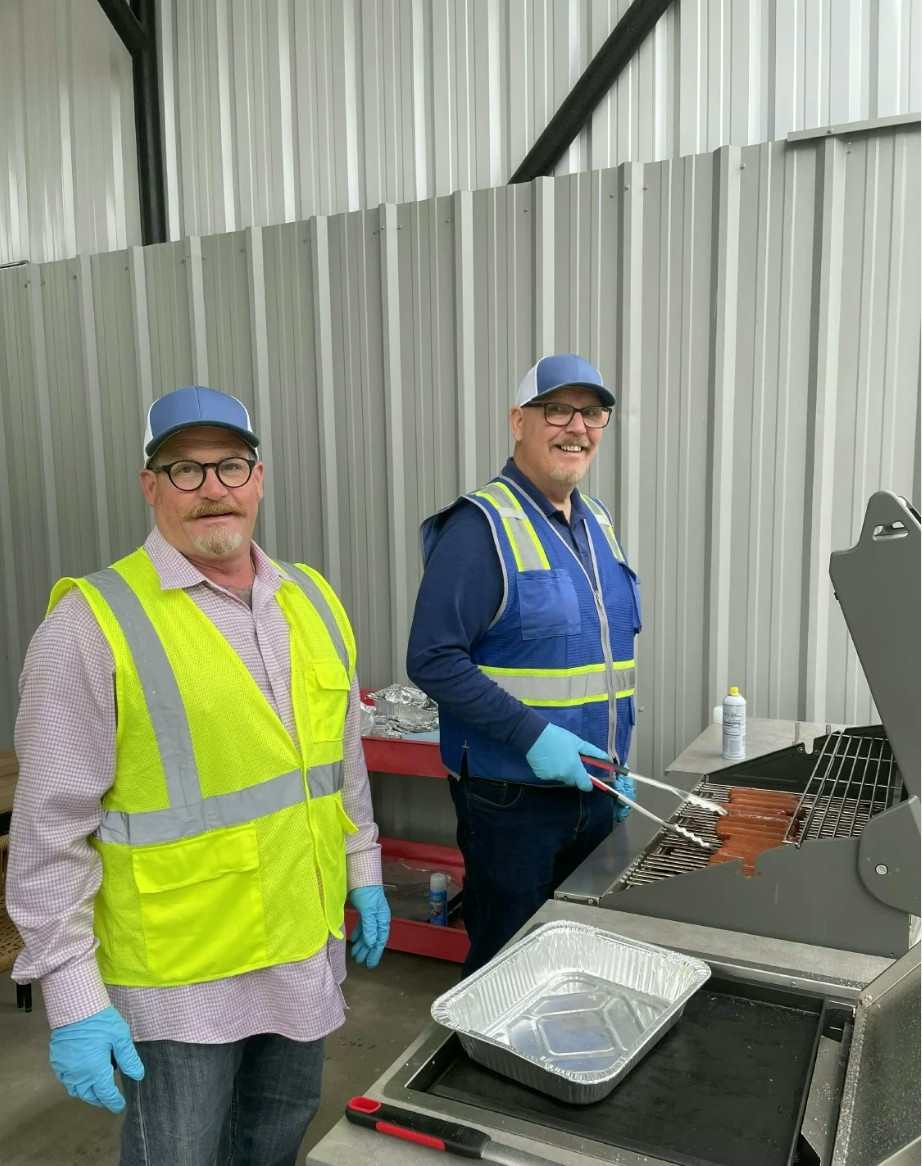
<point>201,906</point>
<point>328,687</point>
<point>548,605</point>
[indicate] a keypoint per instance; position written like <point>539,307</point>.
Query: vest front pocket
<point>328,686</point>
<point>201,906</point>
<point>548,605</point>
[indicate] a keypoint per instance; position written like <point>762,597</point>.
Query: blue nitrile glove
<point>555,757</point>
<point>370,937</point>
<point>81,1056</point>
<point>625,785</point>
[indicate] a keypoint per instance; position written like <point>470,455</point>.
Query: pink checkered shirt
<point>65,742</point>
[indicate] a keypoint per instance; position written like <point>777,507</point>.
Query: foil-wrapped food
<point>400,709</point>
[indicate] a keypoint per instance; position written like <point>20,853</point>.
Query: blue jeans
<point>242,1104</point>
<point>519,843</point>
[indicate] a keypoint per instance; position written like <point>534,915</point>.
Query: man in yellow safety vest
<point>192,809</point>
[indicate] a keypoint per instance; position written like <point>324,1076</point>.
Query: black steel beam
<point>137,27</point>
<point>126,24</point>
<point>601,73</point>
<point>147,128</point>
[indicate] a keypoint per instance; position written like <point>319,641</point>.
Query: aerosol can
<point>438,898</point>
<point>734,726</point>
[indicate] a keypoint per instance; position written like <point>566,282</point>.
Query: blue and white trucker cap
<point>561,372</point>
<point>193,406</point>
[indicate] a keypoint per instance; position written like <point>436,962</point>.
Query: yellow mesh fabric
<point>230,718</point>
<point>240,897</point>
<point>141,782</point>
<point>122,953</point>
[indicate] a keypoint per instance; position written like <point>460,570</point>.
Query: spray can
<point>734,725</point>
<point>438,898</point>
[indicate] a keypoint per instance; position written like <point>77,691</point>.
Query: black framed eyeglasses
<point>232,472</point>
<point>560,415</point>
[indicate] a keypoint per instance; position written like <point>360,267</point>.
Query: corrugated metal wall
<point>756,309</point>
<point>277,110</point>
<point>67,142</point>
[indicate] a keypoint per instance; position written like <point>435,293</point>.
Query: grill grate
<point>854,778</point>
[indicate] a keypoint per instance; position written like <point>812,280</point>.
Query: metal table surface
<point>771,960</point>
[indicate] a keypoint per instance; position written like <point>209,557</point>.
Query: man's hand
<point>81,1056</point>
<point>370,937</point>
<point>555,757</point>
<point>625,785</point>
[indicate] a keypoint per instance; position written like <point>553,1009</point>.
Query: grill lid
<point>879,1117</point>
<point>877,583</point>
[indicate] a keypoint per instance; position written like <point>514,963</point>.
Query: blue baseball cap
<point>191,407</point>
<point>561,372</point>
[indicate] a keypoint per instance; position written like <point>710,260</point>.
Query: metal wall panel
<point>278,110</point>
<point>757,311</point>
<point>284,110</point>
<point>67,138</point>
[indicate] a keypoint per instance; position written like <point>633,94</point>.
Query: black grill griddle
<point>726,1086</point>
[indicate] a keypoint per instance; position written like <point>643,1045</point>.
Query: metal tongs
<point>672,827</point>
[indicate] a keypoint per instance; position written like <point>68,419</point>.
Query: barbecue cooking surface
<point>852,778</point>
<point>725,1087</point>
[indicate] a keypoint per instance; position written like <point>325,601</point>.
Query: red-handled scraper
<point>436,1133</point>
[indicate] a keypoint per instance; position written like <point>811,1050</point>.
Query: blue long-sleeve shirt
<point>460,593</point>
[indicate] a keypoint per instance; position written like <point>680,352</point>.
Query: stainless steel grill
<point>854,778</point>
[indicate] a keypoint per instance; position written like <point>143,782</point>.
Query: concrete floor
<point>41,1126</point>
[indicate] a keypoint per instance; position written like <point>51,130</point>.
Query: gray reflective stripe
<point>232,809</point>
<point>487,509</point>
<point>519,529</point>
<point>572,689</point>
<point>158,685</point>
<point>605,522</point>
<point>325,779</point>
<point>606,649</point>
<point>319,601</point>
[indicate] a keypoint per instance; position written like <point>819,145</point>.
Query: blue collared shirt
<point>460,593</point>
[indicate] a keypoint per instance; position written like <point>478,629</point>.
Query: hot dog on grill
<point>732,827</point>
<point>764,799</point>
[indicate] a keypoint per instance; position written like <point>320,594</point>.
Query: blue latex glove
<point>555,757</point>
<point>625,785</point>
<point>81,1056</point>
<point>370,937</point>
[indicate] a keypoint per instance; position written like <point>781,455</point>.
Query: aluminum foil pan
<point>569,1010</point>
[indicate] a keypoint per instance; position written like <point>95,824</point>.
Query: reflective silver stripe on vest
<point>231,809</point>
<point>518,528</point>
<point>325,779</point>
<point>319,602</point>
<point>573,689</point>
<point>158,684</point>
<point>605,522</point>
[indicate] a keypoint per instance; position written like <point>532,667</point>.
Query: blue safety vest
<point>557,644</point>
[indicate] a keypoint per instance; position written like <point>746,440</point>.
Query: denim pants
<point>242,1104</point>
<point>519,843</point>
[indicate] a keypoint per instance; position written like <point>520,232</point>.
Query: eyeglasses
<point>560,415</point>
<point>232,472</point>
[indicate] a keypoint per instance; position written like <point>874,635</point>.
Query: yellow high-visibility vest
<point>222,840</point>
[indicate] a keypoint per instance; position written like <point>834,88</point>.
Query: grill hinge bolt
<point>880,869</point>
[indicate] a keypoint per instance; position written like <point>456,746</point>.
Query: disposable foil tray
<point>569,1010</point>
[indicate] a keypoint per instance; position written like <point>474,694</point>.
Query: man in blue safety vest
<point>524,634</point>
